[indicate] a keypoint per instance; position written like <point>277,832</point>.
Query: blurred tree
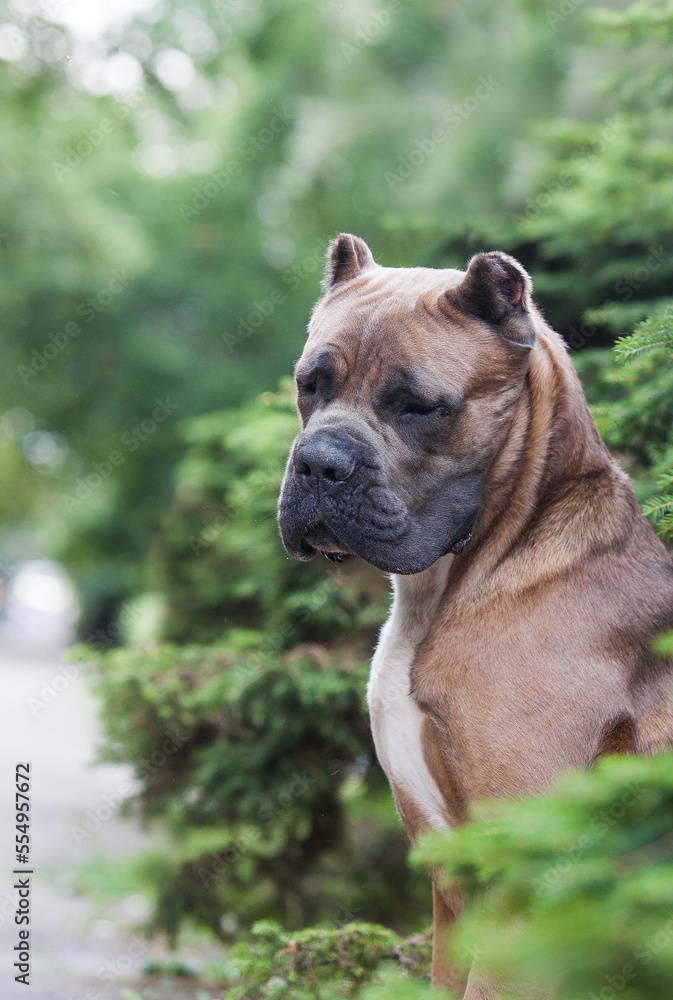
<point>172,183</point>
<point>588,199</point>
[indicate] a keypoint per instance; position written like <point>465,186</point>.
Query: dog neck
<point>553,445</point>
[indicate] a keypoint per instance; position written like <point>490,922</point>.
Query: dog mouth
<point>462,536</point>
<point>319,538</point>
<point>370,520</point>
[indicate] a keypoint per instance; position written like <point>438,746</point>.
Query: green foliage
<point>655,332</point>
<point>635,415</point>
<point>573,888</point>
<point>587,200</point>
<point>259,765</point>
<point>240,746</point>
<point>664,644</point>
<point>323,964</point>
<point>393,985</point>
<point>642,21</point>
<point>633,408</point>
<point>660,508</point>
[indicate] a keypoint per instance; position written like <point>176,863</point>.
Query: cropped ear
<point>347,256</point>
<point>497,290</point>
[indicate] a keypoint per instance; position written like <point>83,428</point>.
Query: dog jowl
<point>405,388</point>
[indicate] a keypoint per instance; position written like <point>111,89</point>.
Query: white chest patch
<point>396,718</point>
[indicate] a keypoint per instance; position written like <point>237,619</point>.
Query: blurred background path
<point>77,944</point>
<point>85,907</point>
<point>71,943</point>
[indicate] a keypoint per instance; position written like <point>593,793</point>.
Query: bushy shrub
<point>260,766</point>
<point>324,963</point>
<point>653,341</point>
<point>632,401</point>
<point>573,888</point>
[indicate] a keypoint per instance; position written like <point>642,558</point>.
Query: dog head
<point>406,389</point>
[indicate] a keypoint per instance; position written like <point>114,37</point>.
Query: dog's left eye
<point>417,409</point>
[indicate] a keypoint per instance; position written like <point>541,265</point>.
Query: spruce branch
<point>660,509</point>
<point>657,505</point>
<point>656,331</point>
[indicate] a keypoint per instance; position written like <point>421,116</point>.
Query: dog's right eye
<point>418,409</point>
<point>310,388</point>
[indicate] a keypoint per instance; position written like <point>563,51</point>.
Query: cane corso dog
<point>446,440</point>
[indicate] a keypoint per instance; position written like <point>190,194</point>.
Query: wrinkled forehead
<point>392,318</point>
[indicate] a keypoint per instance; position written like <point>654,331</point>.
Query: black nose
<point>324,457</point>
